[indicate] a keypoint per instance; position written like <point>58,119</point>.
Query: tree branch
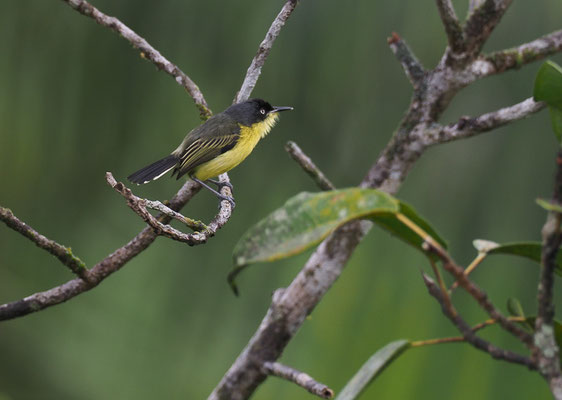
<point>64,254</point>
<point>469,334</point>
<point>300,378</point>
<point>517,57</point>
<point>481,22</point>
<point>467,127</point>
<point>139,206</point>
<point>146,51</point>
<point>100,271</point>
<point>452,25</point>
<point>545,340</point>
<point>412,67</point>
<point>308,166</point>
<point>478,294</point>
<point>254,70</point>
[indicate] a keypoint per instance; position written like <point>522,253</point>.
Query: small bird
<point>216,146</point>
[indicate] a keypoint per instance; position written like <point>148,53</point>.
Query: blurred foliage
<point>77,101</point>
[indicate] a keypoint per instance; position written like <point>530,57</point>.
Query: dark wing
<point>202,150</point>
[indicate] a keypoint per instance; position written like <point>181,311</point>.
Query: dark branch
<point>254,70</point>
<point>469,334</point>
<point>146,50</point>
<point>478,294</point>
<point>412,67</point>
<point>547,349</point>
<point>452,25</point>
<point>308,166</point>
<point>64,254</point>
<point>300,378</point>
<point>481,22</point>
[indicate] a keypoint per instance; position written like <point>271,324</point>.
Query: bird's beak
<point>279,109</point>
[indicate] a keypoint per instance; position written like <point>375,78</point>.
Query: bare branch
<point>517,57</point>
<point>478,294</point>
<point>545,340</point>
<point>64,254</point>
<point>452,25</point>
<point>254,70</point>
<point>467,127</point>
<point>412,67</point>
<point>468,332</point>
<point>481,22</point>
<point>101,270</point>
<point>308,166</point>
<point>139,205</point>
<point>300,378</point>
<point>146,51</point>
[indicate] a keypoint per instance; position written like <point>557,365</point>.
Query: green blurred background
<point>77,101</point>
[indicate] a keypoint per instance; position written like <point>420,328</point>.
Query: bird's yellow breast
<point>249,138</point>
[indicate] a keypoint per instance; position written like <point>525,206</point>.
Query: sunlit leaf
<point>371,369</point>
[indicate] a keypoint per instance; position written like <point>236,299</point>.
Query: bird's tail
<point>154,170</point>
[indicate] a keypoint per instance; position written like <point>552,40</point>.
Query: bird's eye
<point>262,110</point>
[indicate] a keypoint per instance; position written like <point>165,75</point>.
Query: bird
<point>216,146</point>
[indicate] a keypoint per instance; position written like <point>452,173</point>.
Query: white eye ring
<point>262,110</point>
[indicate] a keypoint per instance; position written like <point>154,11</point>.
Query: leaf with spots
<point>308,218</point>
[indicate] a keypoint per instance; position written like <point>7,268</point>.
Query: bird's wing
<point>202,150</point>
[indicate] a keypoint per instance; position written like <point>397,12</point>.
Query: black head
<point>253,111</point>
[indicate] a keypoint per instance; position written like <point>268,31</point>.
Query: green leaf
<point>514,307</point>
<point>530,250</point>
<point>308,218</point>
<point>398,229</point>
<point>548,206</point>
<point>548,85</point>
<point>548,88</point>
<point>371,369</point>
<point>304,221</point>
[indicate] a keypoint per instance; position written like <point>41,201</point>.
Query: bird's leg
<point>219,195</point>
<point>220,184</point>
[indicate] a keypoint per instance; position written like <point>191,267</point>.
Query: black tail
<point>154,170</point>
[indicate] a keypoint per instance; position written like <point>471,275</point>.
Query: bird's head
<point>254,111</point>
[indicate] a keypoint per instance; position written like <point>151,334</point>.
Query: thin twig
<point>545,340</point>
<point>467,126</point>
<point>300,378</point>
<point>452,25</point>
<point>64,254</point>
<point>254,70</point>
<point>478,294</point>
<point>308,166</point>
<point>475,263</point>
<point>100,271</point>
<point>455,339</point>
<point>468,333</point>
<point>146,51</point>
<point>412,67</point>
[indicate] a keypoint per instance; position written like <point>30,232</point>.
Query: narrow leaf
<point>548,206</point>
<point>530,250</point>
<point>556,120</point>
<point>372,368</point>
